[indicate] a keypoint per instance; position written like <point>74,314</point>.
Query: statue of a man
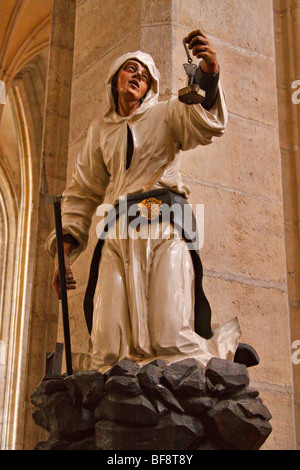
<point>144,296</point>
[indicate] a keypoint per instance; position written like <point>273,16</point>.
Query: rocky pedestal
<point>182,406</point>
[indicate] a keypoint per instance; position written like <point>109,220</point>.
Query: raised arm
<point>193,125</point>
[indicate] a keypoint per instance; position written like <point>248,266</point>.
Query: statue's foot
<point>247,355</point>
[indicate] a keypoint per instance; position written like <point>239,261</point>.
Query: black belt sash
<point>202,309</point>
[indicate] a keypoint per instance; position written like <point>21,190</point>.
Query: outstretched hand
<point>201,48</point>
<point>70,281</point>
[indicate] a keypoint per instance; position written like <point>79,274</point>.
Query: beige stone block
<point>295,329</point>
<point>62,37</point>
<point>243,24</point>
<point>293,262</point>
<point>60,85</point>
<point>249,81</point>
<point>290,181</point>
<point>297,415</point>
<point>243,235</point>
<point>295,22</point>
<point>287,37</point>
<point>246,158</point>
<point>154,11</point>
<point>280,37</point>
<point>101,27</point>
<point>263,317</point>
<point>295,334</point>
<point>282,6</point>
<point>153,37</point>
<point>289,119</point>
<point>280,404</point>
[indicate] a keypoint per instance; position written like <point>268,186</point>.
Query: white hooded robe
<point>144,300</point>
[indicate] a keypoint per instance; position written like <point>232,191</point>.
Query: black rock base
<point>182,406</point>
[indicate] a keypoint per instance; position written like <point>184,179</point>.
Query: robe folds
<point>143,305</point>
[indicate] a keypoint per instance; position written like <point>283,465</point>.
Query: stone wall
<point>238,177</point>
<point>287,28</point>
<point>24,36</point>
<point>44,304</point>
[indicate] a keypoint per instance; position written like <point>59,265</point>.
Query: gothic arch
<point>9,216</point>
<point>19,200</point>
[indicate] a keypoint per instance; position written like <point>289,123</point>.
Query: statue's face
<point>133,80</point>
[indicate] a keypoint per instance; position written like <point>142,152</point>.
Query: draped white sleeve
<point>192,125</point>
<point>84,194</point>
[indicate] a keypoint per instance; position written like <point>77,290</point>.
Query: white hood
<point>152,94</point>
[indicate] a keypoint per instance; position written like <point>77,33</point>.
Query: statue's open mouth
<point>135,83</point>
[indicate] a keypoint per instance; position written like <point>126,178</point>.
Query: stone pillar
<point>287,35</point>
<point>238,178</point>
<point>44,314</point>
